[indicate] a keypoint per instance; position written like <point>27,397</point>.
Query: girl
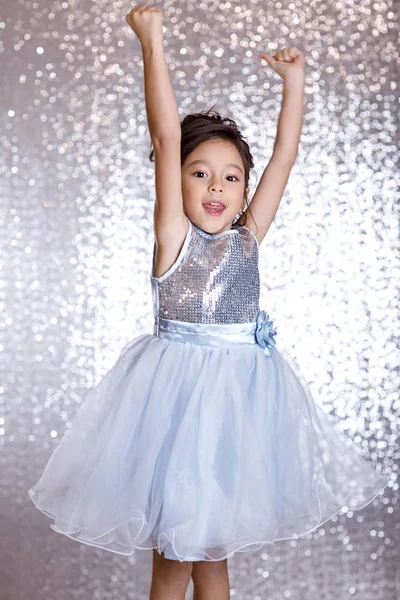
<point>203,439</point>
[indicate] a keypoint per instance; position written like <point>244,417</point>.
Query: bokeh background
<point>76,202</point>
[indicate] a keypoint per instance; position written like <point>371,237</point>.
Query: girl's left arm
<point>289,64</point>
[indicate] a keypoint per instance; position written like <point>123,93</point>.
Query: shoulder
<point>246,233</point>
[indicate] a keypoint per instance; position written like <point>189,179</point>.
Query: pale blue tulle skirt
<point>200,443</point>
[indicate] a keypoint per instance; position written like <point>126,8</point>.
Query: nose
<point>215,187</point>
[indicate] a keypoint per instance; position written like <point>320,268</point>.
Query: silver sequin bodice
<point>215,279</point>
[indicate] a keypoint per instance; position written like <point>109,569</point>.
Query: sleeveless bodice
<point>215,279</point>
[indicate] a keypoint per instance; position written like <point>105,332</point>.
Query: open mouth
<point>214,209</point>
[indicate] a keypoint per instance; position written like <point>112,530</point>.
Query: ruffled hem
<point>166,541</point>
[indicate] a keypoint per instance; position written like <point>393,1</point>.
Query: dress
<point>203,439</point>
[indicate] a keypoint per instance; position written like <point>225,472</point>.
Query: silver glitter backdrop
<point>76,201</point>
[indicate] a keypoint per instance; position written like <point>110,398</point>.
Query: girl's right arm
<point>170,223</point>
<point>161,107</point>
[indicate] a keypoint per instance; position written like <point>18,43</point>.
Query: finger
<point>284,54</point>
<point>269,59</point>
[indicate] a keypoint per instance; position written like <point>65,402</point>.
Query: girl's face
<point>217,175</point>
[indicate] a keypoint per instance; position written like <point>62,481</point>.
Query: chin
<point>214,227</point>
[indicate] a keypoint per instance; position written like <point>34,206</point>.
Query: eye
<point>204,174</point>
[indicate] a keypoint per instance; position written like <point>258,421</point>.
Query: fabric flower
<point>265,332</point>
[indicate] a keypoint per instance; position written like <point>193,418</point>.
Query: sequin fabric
<point>215,279</point>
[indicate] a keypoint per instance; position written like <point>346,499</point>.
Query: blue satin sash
<point>260,332</point>
<point>205,334</point>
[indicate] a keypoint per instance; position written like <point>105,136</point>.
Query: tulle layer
<point>167,452</point>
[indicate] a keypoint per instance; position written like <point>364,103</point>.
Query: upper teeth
<point>215,203</point>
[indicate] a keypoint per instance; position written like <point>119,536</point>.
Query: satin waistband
<point>213,334</point>
<point>261,331</point>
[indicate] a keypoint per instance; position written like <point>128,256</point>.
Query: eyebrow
<point>209,162</point>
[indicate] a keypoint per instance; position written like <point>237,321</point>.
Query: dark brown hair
<point>200,127</point>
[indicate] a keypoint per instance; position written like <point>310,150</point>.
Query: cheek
<point>186,181</point>
<point>191,184</point>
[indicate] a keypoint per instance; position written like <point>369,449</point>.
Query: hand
<point>146,22</point>
<point>287,62</point>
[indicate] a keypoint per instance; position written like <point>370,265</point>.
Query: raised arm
<point>170,223</point>
<point>161,107</point>
<point>289,64</point>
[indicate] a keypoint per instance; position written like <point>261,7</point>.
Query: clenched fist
<point>146,22</point>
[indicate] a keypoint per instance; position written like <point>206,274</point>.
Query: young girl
<point>203,439</point>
